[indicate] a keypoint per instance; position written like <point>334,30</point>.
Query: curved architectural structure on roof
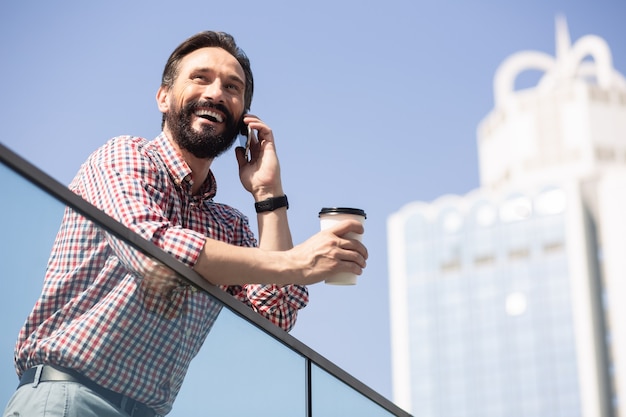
<point>569,64</point>
<point>560,127</point>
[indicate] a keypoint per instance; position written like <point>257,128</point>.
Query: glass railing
<point>247,366</point>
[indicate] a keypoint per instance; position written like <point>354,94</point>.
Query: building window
<point>484,260</point>
<point>605,154</point>
<point>451,266</point>
<point>598,94</point>
<point>553,247</point>
<point>520,253</point>
<point>515,209</point>
<point>553,201</point>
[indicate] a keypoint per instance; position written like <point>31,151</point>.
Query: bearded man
<point>111,336</point>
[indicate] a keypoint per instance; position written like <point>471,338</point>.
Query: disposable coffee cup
<point>330,216</point>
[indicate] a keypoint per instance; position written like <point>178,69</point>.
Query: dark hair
<point>204,40</point>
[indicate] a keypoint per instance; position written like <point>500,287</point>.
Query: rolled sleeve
<point>278,304</point>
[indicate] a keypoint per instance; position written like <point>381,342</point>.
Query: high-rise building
<point>507,301</point>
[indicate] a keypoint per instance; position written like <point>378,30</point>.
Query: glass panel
<point>30,220</point>
<point>331,397</point>
<point>242,371</point>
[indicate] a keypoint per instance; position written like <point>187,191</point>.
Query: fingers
<point>346,243</point>
<point>347,260</point>
<point>353,250</point>
<point>261,141</point>
<point>264,131</point>
<point>347,226</point>
<point>325,254</point>
<point>349,232</point>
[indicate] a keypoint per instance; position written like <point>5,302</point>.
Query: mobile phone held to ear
<point>245,137</point>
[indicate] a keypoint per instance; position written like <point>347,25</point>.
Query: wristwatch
<point>271,204</point>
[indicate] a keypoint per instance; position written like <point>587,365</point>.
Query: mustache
<point>193,106</point>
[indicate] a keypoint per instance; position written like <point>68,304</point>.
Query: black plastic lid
<point>342,210</point>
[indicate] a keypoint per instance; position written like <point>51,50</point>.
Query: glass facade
<point>292,379</point>
<point>490,310</point>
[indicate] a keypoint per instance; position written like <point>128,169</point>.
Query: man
<point>109,319</point>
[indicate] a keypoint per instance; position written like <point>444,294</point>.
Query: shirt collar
<point>180,171</point>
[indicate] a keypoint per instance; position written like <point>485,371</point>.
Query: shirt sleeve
<point>121,180</point>
<point>278,304</point>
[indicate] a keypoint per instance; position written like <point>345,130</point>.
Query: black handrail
<point>62,193</point>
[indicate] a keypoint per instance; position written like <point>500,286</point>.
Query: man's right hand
<point>329,252</point>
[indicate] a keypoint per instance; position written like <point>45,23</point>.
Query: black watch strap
<point>271,204</point>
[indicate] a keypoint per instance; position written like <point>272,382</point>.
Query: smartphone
<point>245,137</point>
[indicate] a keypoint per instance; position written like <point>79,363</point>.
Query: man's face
<point>205,104</point>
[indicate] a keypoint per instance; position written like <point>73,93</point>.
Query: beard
<point>205,144</point>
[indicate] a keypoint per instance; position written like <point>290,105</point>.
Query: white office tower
<point>511,300</point>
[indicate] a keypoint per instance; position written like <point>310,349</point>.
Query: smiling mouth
<point>209,115</point>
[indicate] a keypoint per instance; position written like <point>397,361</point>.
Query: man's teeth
<point>208,113</point>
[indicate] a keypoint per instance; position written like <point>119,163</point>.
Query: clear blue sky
<point>373,105</point>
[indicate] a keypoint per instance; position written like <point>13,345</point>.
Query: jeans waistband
<point>50,373</point>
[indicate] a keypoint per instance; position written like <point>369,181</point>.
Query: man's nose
<point>214,91</point>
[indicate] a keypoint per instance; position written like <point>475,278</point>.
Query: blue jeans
<point>59,399</point>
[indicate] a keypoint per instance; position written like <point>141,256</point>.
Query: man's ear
<point>162,99</point>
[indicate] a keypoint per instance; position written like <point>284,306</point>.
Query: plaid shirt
<point>112,314</point>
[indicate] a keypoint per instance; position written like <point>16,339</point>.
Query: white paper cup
<point>330,216</point>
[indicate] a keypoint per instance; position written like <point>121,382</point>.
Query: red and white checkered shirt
<point>117,317</point>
